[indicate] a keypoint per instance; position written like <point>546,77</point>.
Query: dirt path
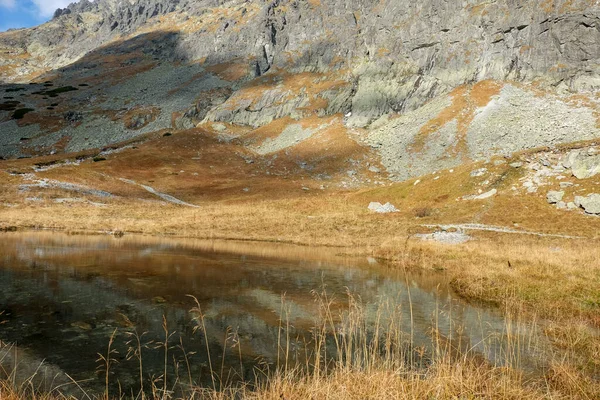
<point>164,196</point>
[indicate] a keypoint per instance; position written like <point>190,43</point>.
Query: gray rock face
<point>390,57</point>
<point>590,203</point>
<point>400,53</point>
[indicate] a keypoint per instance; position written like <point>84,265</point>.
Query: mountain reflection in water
<point>63,297</point>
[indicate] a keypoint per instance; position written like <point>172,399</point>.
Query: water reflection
<point>63,296</point>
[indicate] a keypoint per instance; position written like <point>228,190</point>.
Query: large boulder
<point>590,203</point>
<point>382,208</point>
<point>583,164</point>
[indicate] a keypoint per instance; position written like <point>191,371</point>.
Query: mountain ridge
<point>253,64</point>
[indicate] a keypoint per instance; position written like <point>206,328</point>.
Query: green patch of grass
<point>56,92</point>
<point>63,89</point>
<point>11,90</point>
<point>20,113</point>
<point>99,159</point>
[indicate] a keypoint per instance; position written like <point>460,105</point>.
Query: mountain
<point>419,86</point>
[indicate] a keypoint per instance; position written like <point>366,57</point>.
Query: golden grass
<point>557,280</point>
<point>370,361</point>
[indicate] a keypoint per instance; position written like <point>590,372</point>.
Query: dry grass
<point>554,279</point>
<point>370,361</point>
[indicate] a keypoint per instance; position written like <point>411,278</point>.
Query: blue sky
<point>26,13</point>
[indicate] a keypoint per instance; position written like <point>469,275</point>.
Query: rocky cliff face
<point>366,59</point>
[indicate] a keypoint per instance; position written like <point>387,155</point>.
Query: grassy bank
<point>359,354</point>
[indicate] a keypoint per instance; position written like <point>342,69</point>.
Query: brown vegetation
<point>557,280</point>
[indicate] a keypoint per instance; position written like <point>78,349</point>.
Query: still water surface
<point>62,297</point>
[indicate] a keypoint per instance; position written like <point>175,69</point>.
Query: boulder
<point>554,197</point>
<point>583,164</point>
<point>590,203</point>
<point>383,208</point>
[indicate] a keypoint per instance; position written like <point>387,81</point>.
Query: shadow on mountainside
<point>126,88</point>
<point>128,80</point>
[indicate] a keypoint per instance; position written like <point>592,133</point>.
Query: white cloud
<point>8,3</point>
<point>46,8</point>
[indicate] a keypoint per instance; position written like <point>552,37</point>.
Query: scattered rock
<point>478,172</point>
<point>516,164</point>
<point>564,185</point>
<point>73,116</point>
<point>383,208</point>
<point>590,203</point>
<point>554,197</point>
<point>219,127</point>
<point>445,237</point>
<point>482,196</point>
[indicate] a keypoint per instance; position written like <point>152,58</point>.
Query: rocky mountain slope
<point>420,86</point>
